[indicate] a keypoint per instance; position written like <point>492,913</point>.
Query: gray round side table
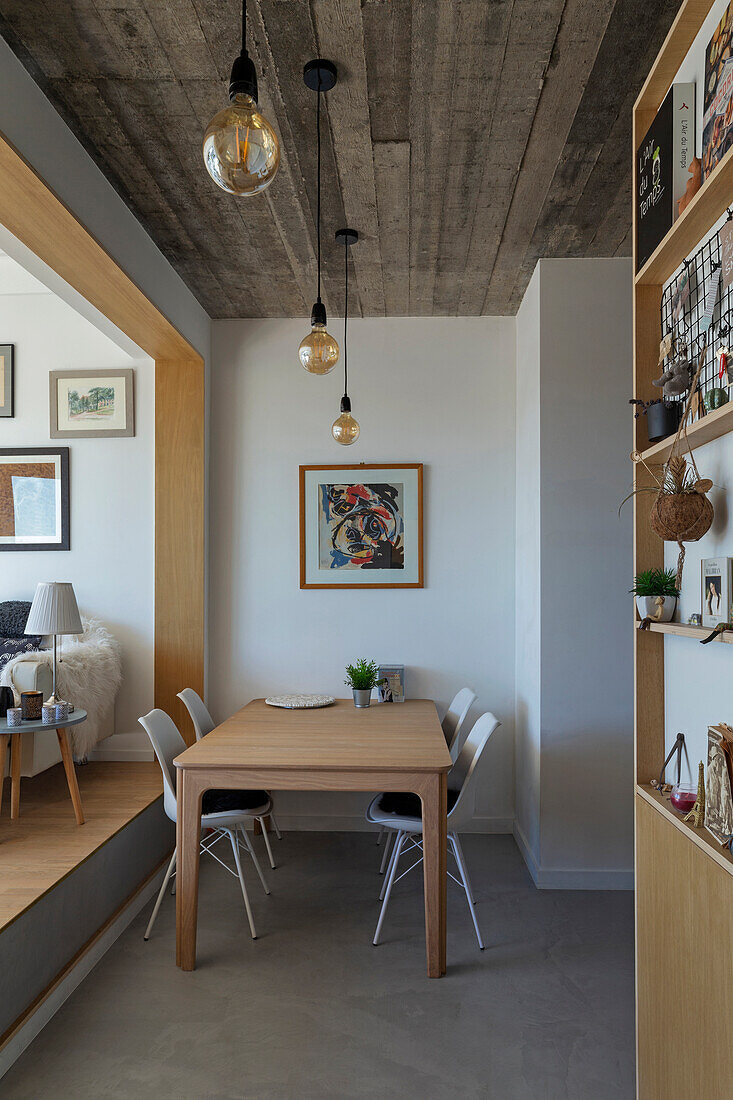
<point>14,735</point>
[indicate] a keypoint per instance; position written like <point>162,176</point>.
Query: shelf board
<point>701,837</point>
<point>708,427</point>
<point>676,45</point>
<point>701,214</point>
<point>685,630</point>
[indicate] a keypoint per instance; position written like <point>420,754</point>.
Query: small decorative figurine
<point>675,379</point>
<point>693,183</point>
<point>697,813</point>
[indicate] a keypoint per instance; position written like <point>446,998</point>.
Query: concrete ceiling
<point>464,140</point>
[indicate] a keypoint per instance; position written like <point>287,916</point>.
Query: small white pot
<point>659,609</point>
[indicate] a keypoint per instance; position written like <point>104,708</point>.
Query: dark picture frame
<point>25,457</point>
<point>7,380</point>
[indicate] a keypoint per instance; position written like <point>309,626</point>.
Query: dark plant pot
<point>7,699</point>
<point>663,420</point>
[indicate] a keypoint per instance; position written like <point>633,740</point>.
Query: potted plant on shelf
<point>662,417</point>
<point>361,678</point>
<point>656,594</point>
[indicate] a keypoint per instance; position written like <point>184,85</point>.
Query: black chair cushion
<point>406,804</point>
<point>224,802</point>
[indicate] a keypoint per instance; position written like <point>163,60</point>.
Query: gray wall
<point>574,756</point>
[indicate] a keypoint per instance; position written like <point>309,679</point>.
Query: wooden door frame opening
<point>31,211</point>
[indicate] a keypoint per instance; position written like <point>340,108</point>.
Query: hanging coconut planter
<point>682,512</point>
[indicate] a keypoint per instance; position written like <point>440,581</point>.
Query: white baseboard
<point>560,878</point>
<point>122,754</point>
<point>24,1035</point>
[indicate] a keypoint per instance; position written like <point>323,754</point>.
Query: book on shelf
<point>717,123</point>
<point>716,591</point>
<point>662,163</point>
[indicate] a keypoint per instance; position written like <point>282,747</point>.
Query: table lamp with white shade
<point>54,611</point>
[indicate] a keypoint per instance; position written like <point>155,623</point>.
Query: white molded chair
<point>225,819</point>
<point>401,813</point>
<point>203,723</point>
<point>455,716</point>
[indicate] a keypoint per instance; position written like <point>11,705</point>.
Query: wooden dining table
<point>385,747</point>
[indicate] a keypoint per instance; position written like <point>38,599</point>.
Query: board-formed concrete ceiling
<point>465,139</point>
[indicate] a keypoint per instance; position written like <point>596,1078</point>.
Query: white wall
<point>438,391</point>
<point>110,562</point>
<point>576,826</point>
<point>527,573</point>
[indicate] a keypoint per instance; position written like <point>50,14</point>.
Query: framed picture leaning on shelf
<point>716,590</point>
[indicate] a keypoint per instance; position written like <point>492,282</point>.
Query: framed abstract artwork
<point>91,404</point>
<point>6,380</point>
<point>361,526</point>
<point>34,498</point>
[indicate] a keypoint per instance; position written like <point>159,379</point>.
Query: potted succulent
<point>656,594</point>
<point>361,678</point>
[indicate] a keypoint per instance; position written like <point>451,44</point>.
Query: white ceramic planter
<point>658,608</point>
<point>362,697</point>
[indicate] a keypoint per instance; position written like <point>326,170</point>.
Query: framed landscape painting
<point>6,380</point>
<point>34,498</point>
<point>90,404</point>
<point>361,526</point>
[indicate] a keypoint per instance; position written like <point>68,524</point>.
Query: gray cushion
<point>225,802</point>
<point>406,804</point>
<point>11,647</point>
<point>13,617</point>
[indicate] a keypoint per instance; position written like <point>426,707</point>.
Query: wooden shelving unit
<point>685,630</point>
<point>684,880</point>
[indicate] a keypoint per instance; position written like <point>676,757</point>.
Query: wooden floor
<point>45,844</point>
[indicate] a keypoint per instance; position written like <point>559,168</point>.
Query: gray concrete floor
<point>311,1010</point>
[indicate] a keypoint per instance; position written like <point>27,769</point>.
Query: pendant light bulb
<point>318,351</point>
<point>241,150</point>
<point>345,429</point>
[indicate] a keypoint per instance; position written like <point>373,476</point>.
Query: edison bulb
<point>345,429</point>
<point>318,352</point>
<point>241,150</point>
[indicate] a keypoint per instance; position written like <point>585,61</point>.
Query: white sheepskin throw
<point>89,674</point>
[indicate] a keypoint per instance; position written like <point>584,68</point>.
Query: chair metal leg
<point>250,849</point>
<point>379,837</point>
<point>385,854</point>
<point>159,899</point>
<point>389,865</point>
<point>393,868</point>
<point>266,837</point>
<point>464,867</point>
<point>278,834</point>
<point>235,849</point>
<point>471,908</point>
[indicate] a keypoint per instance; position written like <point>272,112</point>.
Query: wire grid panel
<point>687,327</point>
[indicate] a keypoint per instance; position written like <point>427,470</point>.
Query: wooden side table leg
<point>3,760</point>
<point>15,754</point>
<point>435,840</point>
<point>68,760</point>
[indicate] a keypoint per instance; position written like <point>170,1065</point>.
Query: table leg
<point>188,838</point>
<point>15,747</point>
<point>68,759</point>
<point>3,760</point>
<point>435,827</point>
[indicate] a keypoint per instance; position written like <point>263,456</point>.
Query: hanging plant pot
<point>681,517</point>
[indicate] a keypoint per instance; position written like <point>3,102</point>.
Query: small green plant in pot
<point>361,678</point>
<point>656,594</point>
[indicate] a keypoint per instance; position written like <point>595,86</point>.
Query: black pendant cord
<point>346,315</point>
<point>244,26</point>
<point>318,187</point>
